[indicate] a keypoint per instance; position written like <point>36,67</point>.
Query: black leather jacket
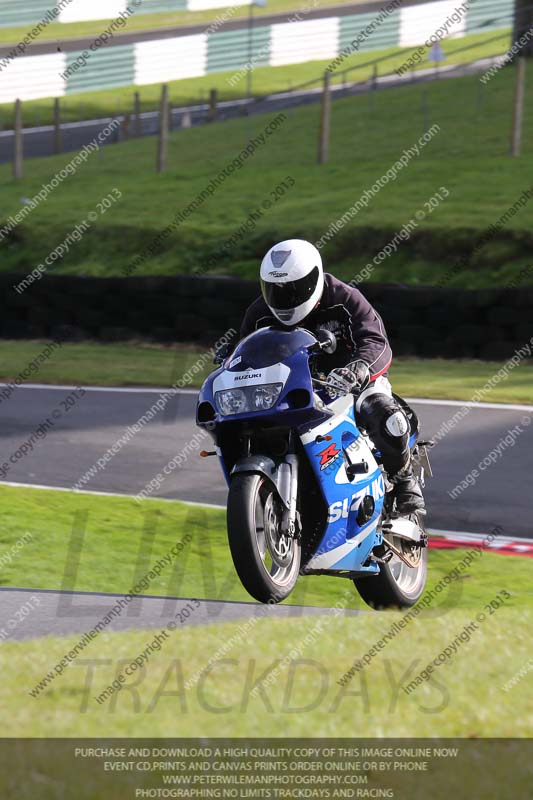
<point>345,312</point>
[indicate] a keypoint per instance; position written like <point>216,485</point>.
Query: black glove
<point>353,378</point>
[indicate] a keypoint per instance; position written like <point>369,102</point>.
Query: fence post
<point>126,127</point>
<point>162,148</point>
<point>18,153</point>
<point>213,111</point>
<point>325,118</point>
<point>57,126</point>
<point>373,88</point>
<point>137,114</point>
<point>518,108</point>
<point>186,121</point>
<point>522,24</point>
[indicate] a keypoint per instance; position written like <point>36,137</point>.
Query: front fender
<point>276,473</point>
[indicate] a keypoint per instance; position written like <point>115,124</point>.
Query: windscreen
<point>268,346</point>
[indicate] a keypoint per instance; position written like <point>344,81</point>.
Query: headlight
<point>232,401</point>
<point>264,397</point>
<point>247,399</point>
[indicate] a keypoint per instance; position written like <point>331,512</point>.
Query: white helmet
<point>292,280</point>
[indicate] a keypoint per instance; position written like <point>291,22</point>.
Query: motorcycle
<point>308,494</point>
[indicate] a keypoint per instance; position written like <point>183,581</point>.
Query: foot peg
<point>405,528</point>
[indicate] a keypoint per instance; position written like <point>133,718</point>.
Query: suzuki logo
<point>342,508</point>
<point>247,376</point>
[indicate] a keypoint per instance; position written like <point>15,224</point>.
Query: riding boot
<point>407,492</point>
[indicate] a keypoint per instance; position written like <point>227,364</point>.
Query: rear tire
<point>397,585</point>
<point>267,562</point>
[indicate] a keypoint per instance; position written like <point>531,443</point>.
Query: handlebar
<point>318,382</point>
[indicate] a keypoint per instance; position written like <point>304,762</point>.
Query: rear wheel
<point>267,561</point>
<point>398,584</point>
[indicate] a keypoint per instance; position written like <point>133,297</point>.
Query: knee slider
<point>395,424</point>
<point>385,420</point>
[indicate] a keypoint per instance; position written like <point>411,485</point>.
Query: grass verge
<point>471,145</point>
<point>84,542</point>
<point>113,536</point>
<point>141,364</point>
<point>464,697</point>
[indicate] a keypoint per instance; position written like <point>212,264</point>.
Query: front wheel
<point>267,561</point>
<point>398,585</point>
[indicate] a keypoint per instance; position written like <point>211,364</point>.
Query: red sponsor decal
<point>329,454</point>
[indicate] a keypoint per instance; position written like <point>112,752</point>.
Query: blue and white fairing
<point>345,545</point>
<point>267,357</point>
<point>272,366</point>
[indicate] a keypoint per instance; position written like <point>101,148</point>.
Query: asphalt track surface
<point>66,613</point>
<point>39,141</point>
<point>79,437</point>
<point>241,22</point>
<point>82,435</point>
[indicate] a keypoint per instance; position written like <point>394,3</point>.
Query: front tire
<point>397,585</point>
<point>267,561</point>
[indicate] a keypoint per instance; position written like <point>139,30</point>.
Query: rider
<point>296,291</point>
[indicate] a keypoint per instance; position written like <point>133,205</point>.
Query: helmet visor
<point>285,296</point>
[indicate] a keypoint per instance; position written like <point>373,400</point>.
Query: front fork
<point>284,476</point>
<point>288,489</point>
